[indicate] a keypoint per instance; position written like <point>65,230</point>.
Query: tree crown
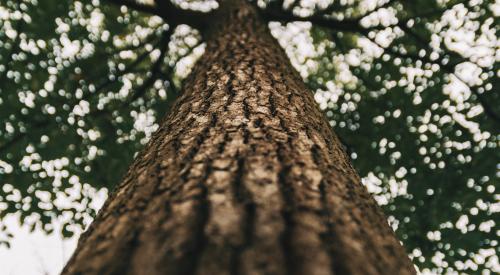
<point>409,86</point>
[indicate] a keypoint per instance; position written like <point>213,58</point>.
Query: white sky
<point>34,253</point>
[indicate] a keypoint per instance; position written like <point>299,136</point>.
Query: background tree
<point>409,87</point>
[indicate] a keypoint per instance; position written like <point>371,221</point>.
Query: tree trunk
<point>244,176</point>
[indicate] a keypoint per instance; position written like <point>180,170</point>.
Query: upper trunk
<point>244,176</point>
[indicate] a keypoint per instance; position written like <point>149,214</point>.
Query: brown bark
<point>244,176</point>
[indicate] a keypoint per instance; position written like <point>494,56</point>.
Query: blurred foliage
<point>413,94</point>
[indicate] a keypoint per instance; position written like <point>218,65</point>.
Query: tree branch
<point>330,9</point>
<point>155,69</point>
<point>20,136</point>
<point>449,68</point>
<point>488,110</point>
<point>383,6</point>
<point>330,23</point>
<point>136,6</point>
<point>156,72</point>
<point>128,69</point>
<point>171,13</point>
<point>176,15</point>
<point>150,38</point>
<point>350,24</point>
<point>353,25</point>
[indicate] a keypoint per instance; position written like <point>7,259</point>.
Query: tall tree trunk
<point>244,176</point>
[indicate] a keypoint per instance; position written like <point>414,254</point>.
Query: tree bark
<point>244,176</point>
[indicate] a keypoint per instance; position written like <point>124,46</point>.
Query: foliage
<point>409,88</point>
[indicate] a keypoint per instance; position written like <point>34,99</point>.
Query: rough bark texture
<point>244,176</point>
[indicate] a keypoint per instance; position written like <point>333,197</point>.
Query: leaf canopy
<point>411,88</point>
